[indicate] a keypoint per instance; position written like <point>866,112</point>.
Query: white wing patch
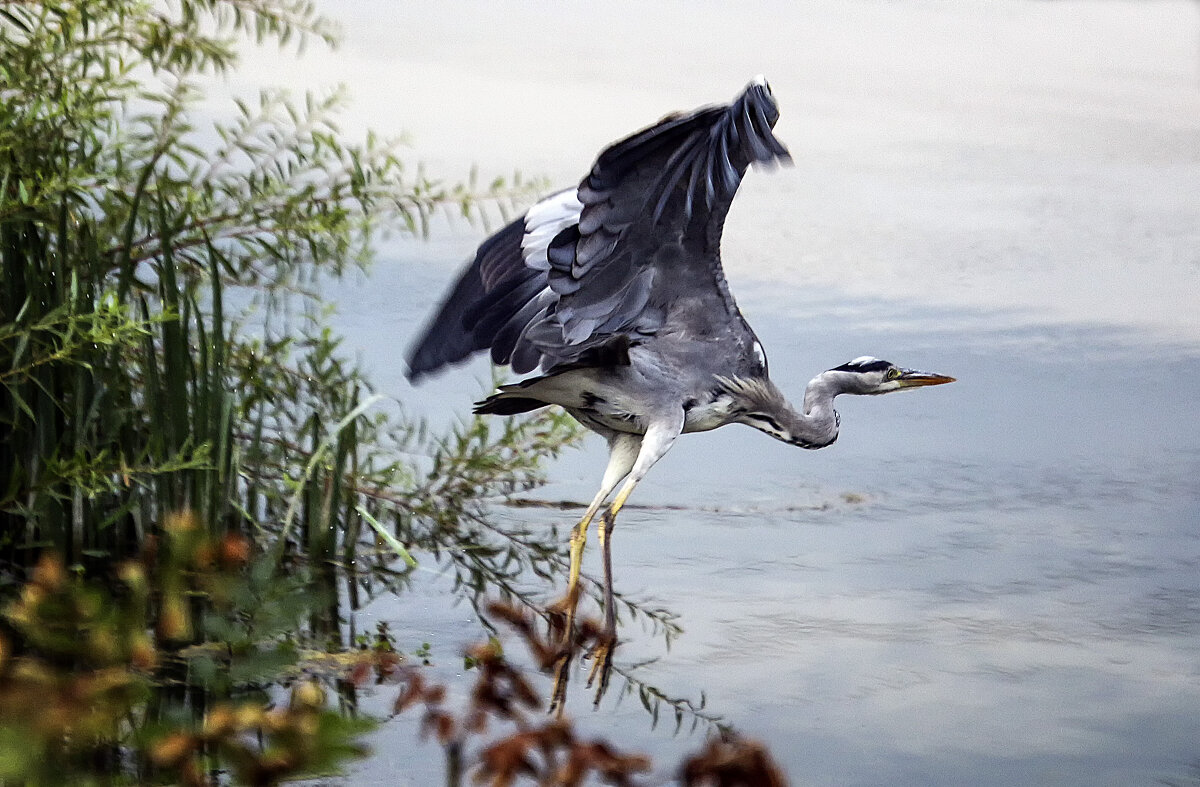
<point>760,355</point>
<point>544,221</point>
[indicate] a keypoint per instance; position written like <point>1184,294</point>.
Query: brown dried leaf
<point>736,763</point>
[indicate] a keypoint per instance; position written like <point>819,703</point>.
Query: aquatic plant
<point>130,682</point>
<point>162,338</point>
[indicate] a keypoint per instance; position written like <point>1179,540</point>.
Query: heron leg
<point>623,452</point>
<point>660,436</point>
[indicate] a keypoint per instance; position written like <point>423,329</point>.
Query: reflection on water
<point>995,582</point>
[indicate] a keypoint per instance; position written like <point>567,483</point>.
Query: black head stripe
<point>869,366</point>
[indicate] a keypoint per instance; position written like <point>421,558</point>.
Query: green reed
<point>162,344</point>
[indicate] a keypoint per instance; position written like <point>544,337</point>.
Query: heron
<point>615,290</point>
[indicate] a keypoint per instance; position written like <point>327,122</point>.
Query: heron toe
<point>562,675</point>
<point>601,656</point>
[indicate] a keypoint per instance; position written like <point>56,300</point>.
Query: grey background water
<point>994,582</point>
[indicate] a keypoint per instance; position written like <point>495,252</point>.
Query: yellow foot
<point>562,673</point>
<point>562,633</point>
<point>601,656</point>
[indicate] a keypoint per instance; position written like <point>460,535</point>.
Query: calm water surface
<point>993,582</point>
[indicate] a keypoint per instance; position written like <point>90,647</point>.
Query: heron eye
<point>892,374</point>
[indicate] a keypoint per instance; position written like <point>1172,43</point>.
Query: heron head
<point>871,376</point>
<point>758,403</point>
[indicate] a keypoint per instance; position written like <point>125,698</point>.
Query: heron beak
<point>910,378</point>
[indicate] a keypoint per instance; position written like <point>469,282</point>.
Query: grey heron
<point>615,289</point>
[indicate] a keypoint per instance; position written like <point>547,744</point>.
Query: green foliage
<point>162,339</point>
<point>90,677</point>
<point>163,348</point>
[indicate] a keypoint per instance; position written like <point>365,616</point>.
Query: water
<point>992,582</point>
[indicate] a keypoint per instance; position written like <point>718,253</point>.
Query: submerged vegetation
<point>195,480</point>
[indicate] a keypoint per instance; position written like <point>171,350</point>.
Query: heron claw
<point>601,656</point>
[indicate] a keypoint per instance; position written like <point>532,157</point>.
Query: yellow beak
<point>910,378</point>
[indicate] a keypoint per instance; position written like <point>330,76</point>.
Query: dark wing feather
<point>642,238</point>
<point>649,232</point>
<point>479,303</point>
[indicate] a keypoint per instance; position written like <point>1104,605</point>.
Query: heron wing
<point>493,291</point>
<point>585,274</point>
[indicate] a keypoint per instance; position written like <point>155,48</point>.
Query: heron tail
<point>507,402</point>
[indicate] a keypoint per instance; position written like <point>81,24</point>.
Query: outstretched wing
<point>586,274</point>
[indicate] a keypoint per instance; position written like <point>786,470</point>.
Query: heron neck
<point>817,425</point>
